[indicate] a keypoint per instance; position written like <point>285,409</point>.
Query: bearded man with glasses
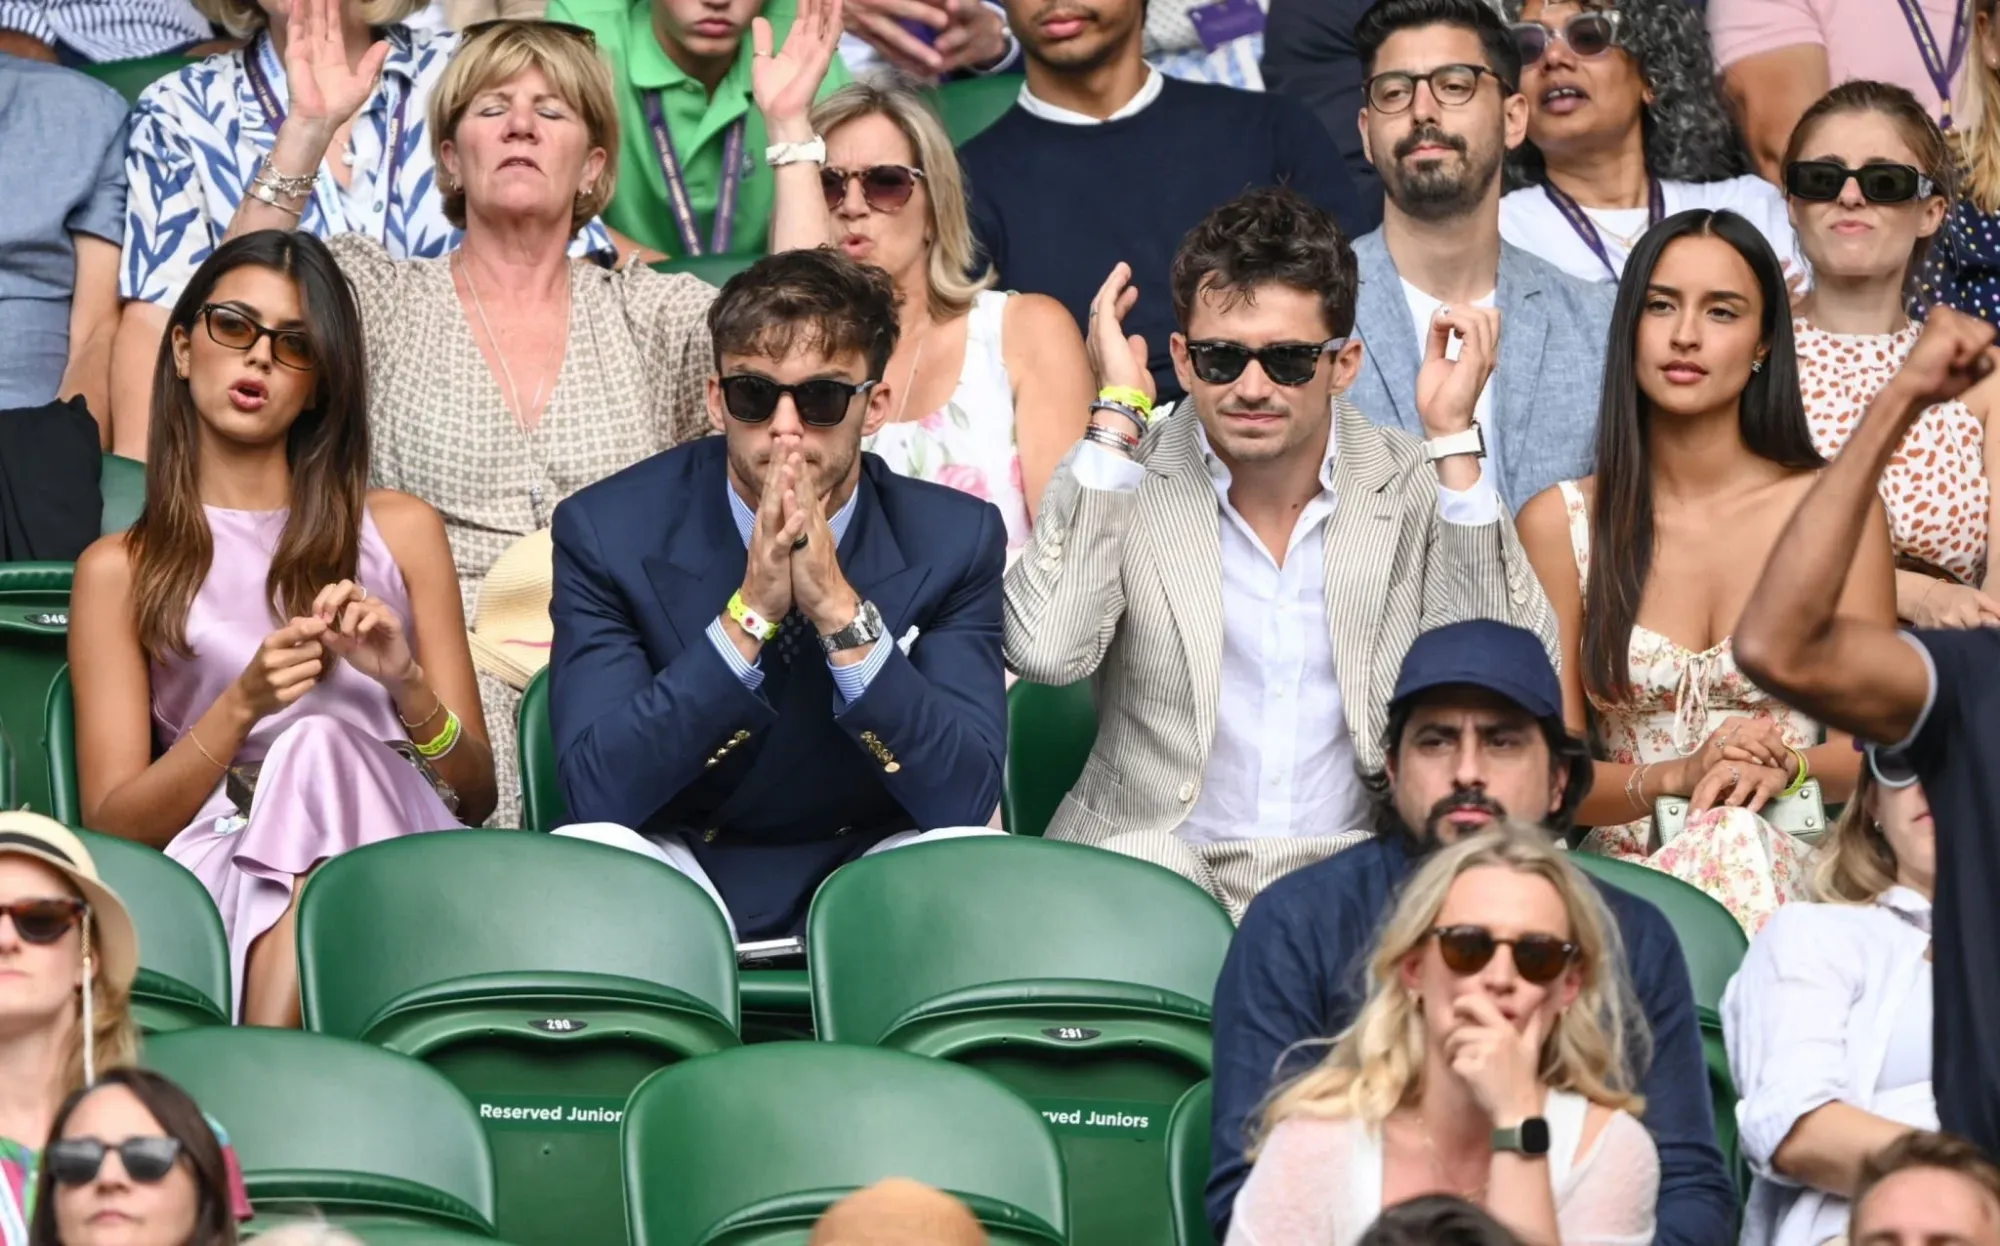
<point>1240,579</point>
<point>773,654</point>
<point>1441,108</point>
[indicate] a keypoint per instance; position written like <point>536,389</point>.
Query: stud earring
<point>1756,365</point>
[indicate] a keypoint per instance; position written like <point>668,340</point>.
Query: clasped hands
<point>792,560</point>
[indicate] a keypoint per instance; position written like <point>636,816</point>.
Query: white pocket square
<point>909,639</point>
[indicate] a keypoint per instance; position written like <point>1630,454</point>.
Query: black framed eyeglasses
<point>1453,86</point>
<point>884,187</point>
<point>584,33</point>
<point>76,1161</point>
<point>821,402</point>
<point>1587,34</point>
<point>228,327</point>
<point>1538,958</point>
<point>44,921</point>
<point>1821,181</point>
<point>1290,364</point>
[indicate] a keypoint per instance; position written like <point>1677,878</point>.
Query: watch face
<point>1534,1136</point>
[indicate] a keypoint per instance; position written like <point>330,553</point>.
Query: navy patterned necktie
<point>791,637</point>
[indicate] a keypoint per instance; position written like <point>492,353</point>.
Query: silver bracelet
<point>1111,439</point>
<point>291,187</point>
<point>260,191</point>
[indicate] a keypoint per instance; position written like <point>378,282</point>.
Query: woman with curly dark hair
<point>1625,128</point>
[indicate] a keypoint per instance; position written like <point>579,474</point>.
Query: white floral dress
<point>969,444</point>
<point>1677,698</point>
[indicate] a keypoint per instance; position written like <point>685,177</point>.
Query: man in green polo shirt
<point>692,137</point>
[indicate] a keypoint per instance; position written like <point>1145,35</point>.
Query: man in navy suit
<point>773,654</point>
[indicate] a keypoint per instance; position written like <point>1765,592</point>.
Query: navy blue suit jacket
<point>773,789</point>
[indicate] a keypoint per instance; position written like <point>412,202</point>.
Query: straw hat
<point>898,1212</point>
<point>511,632</point>
<point>114,942</point>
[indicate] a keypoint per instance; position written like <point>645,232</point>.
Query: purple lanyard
<point>724,226</point>
<point>1943,69</point>
<point>1586,229</point>
<point>274,117</point>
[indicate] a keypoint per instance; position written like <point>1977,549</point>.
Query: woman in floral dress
<point>1703,452</point>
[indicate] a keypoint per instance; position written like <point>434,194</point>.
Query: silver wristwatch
<point>1472,441</point>
<point>866,629</point>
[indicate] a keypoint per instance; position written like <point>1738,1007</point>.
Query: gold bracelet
<point>196,741</point>
<point>438,705</point>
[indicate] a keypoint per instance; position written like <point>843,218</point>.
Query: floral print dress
<point>968,444</point>
<point>1679,697</point>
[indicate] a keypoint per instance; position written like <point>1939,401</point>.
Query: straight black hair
<point>1388,17</point>
<point>1771,416</point>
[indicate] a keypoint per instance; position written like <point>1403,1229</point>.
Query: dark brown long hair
<point>327,447</point>
<point>1771,416</point>
<point>180,1119</point>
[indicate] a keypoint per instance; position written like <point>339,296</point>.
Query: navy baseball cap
<point>1483,653</point>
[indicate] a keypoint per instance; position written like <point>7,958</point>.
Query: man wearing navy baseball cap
<point>1475,736</point>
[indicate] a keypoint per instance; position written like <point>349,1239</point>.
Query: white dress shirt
<point>1155,83</point>
<point>1282,763</point>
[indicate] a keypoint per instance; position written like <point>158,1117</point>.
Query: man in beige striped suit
<point>1241,579</point>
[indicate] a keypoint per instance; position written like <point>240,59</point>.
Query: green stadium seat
<point>34,640</point>
<point>546,978</point>
<point>58,740</point>
<point>183,955</point>
<point>749,1147</point>
<point>122,481</point>
<point>542,801</point>
<point>1078,977</point>
<point>1713,944</point>
<point>714,269</point>
<point>370,1230</point>
<point>969,105</point>
<point>1188,1163</point>
<point>323,1125</point>
<point>1050,728</point>
<point>129,78</point>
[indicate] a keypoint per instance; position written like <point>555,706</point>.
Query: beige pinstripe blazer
<point>1126,589</point>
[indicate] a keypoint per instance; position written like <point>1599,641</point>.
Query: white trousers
<point>673,850</point>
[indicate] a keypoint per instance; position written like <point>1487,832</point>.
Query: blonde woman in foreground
<point>1488,1063</point>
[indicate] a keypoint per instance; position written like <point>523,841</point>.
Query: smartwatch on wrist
<point>1529,1138</point>
<point>1472,441</point>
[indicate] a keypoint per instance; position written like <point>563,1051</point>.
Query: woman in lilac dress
<point>265,658</point>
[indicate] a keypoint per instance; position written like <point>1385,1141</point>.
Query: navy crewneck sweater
<point>1055,206</point>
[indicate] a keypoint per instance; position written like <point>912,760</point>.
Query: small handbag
<point>1802,815</point>
<point>240,781</point>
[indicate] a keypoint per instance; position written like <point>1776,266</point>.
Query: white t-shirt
<point>1532,222</point>
<point>1422,308</point>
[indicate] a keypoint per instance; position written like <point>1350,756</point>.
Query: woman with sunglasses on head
<point>1488,1062</point>
<point>1829,1020</point>
<point>133,1162</point>
<point>1869,177</point>
<point>271,665</point>
<point>1625,128</point>
<point>991,388</point>
<point>1702,455</point>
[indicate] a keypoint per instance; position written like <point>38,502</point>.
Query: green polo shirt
<point>699,123</point>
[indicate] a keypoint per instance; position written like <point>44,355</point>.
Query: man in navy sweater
<point>1106,159</point>
<point>1475,734</point>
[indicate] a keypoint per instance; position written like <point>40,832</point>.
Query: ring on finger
<point>1735,775</point>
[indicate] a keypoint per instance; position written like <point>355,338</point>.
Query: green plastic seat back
<point>183,954</point>
<point>714,269</point>
<point>129,78</point>
<point>1080,978</point>
<point>58,737</point>
<point>546,977</point>
<point>338,1127</point>
<point>748,1147</point>
<point>541,787</point>
<point>1050,728</point>
<point>34,635</point>
<point>969,105</point>
<point>1188,1162</point>
<point>123,484</point>
<point>1713,945</point>
<point>369,1230</point>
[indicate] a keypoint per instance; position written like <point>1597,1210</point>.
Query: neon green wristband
<point>749,620</point>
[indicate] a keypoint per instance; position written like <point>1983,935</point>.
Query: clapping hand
<point>325,90</point>
<point>785,84</point>
<point>362,631</point>
<point>1448,389</point>
<point>1117,359</point>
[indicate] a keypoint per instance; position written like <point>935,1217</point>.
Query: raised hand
<point>767,573</point>
<point>785,84</point>
<point>364,632</point>
<point>286,666</point>
<point>1448,389</point>
<point>325,90</point>
<point>1953,353</point>
<point>1500,1064</point>
<point>1116,358</point>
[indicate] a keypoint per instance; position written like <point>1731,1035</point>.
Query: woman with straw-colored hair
<point>1489,1062</point>
<point>1828,1022</point>
<point>990,389</point>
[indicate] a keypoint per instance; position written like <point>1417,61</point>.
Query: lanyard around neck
<point>1586,229</point>
<point>723,227</point>
<point>1941,65</point>
<point>274,117</point>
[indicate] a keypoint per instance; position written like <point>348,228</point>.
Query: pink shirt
<point>1862,38</point>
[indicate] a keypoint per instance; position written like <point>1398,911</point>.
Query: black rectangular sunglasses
<point>76,1161</point>
<point>1821,181</point>
<point>1290,364</point>
<point>821,402</point>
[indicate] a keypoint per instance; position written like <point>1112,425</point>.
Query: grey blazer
<point>1125,588</point>
<point>1553,328</point>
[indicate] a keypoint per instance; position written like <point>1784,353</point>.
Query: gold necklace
<point>521,416</point>
<point>1477,1194</point>
<point>910,381</point>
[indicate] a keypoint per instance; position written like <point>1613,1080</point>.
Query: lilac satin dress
<point>328,781</point>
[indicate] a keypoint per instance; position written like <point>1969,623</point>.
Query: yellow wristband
<point>1799,779</point>
<point>1129,396</point>
<point>749,620</point>
<point>440,744</point>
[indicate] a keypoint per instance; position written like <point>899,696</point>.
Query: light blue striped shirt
<point>108,30</point>
<point>852,679</point>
